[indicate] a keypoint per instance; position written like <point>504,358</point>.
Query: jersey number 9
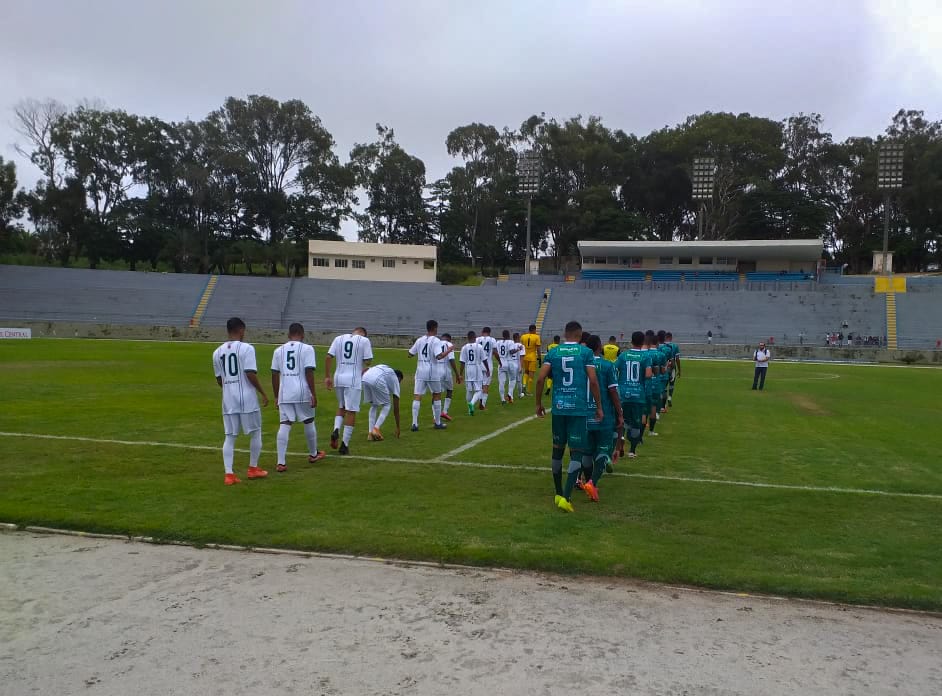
<point>347,350</point>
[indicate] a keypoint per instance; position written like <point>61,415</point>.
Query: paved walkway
<point>101,617</point>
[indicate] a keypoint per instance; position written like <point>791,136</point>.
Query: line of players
<point>597,401</point>
<point>351,376</point>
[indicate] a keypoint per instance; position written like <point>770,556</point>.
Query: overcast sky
<point>424,67</point>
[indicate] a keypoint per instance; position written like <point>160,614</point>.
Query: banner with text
<point>16,333</point>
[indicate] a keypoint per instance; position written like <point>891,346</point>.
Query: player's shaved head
<point>486,331</point>
<point>611,339</point>
<point>431,326</point>
<point>573,331</point>
<point>584,337</point>
<point>471,336</point>
<point>360,331</point>
<point>661,336</point>
<point>398,374</point>
<point>532,328</point>
<point>556,339</point>
<point>446,336</point>
<point>296,330</point>
<point>594,343</point>
<point>235,328</point>
<point>516,337</point>
<point>506,334</point>
<point>669,336</point>
<point>637,339</point>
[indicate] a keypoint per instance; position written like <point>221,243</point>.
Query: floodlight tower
<point>889,179</point>
<point>702,177</point>
<point>528,175</point>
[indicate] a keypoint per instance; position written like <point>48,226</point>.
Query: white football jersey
<point>472,355</point>
<point>350,351</point>
<point>427,349</point>
<point>383,374</point>
<point>231,361</point>
<point>292,360</point>
<point>488,343</point>
<point>445,363</point>
<point>521,351</point>
<point>506,352</point>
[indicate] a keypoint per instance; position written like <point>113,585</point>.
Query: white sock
<point>228,452</point>
<point>255,447</point>
<point>416,407</point>
<point>338,422</point>
<point>447,404</point>
<point>483,398</point>
<point>381,418</point>
<point>437,412</point>
<point>310,432</point>
<point>511,387</point>
<point>500,388</point>
<point>374,409</point>
<point>282,441</point>
<point>476,398</point>
<point>347,434</point>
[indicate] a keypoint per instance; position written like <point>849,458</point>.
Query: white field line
<point>484,438</point>
<point>505,467</point>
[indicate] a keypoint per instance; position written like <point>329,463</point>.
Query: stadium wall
<point>731,351</point>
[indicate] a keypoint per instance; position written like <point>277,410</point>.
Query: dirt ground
<point>96,617</point>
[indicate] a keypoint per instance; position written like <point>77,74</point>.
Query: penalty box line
<point>504,467</point>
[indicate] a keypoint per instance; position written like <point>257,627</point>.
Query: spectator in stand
<point>771,340</point>
<point>710,337</point>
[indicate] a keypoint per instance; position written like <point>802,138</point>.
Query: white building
<point>405,263</point>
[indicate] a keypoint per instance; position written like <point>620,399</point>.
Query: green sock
<point>570,483</point>
<point>598,469</point>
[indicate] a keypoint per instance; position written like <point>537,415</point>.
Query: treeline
<point>253,181</point>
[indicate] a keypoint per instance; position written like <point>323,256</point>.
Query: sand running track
<point>96,617</point>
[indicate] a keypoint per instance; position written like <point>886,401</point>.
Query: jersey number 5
<point>289,360</point>
<point>568,374</point>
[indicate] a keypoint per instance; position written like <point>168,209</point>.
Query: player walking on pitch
<point>574,379</point>
<point>237,374</point>
<point>381,389</point>
<point>600,432</point>
<point>429,351</point>
<point>505,352</point>
<point>450,374</point>
<point>353,353</point>
<point>487,343</point>
<point>292,382</point>
<point>474,368</point>
<point>532,355</point>
<point>634,373</point>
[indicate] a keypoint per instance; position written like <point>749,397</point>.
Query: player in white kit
<point>352,353</point>
<point>505,352</point>
<point>381,390</point>
<point>237,374</point>
<point>487,342</point>
<point>474,368</point>
<point>429,373</point>
<point>518,366</point>
<point>292,382</point>
<point>451,374</point>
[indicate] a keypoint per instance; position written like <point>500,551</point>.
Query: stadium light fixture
<point>702,177</point>
<point>528,177</point>
<point>889,179</point>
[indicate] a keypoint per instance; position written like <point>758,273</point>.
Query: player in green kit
<point>600,433</point>
<point>634,373</point>
<point>675,372</point>
<point>572,367</point>
<point>652,387</point>
<point>668,362</point>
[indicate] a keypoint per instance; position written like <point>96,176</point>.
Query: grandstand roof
<point>752,248</point>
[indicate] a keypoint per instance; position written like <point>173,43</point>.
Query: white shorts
<point>348,398</point>
<point>486,378</point>
<point>448,383</point>
<point>246,422</point>
<point>376,393</point>
<point>471,387</point>
<point>433,386</point>
<point>296,413</point>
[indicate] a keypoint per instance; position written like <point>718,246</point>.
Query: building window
<point>635,262</point>
<point>317,261</point>
<point>359,263</point>
<point>340,263</point>
<point>706,260</point>
<point>405,261</point>
<point>723,261</point>
<point>612,260</point>
<point>389,263</point>
<point>600,261</point>
<point>666,260</point>
<point>685,261</point>
<point>416,262</point>
<point>428,265</point>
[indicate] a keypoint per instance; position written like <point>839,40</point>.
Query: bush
<point>456,275</point>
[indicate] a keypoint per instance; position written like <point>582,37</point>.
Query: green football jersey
<point>605,370</point>
<point>570,379</point>
<point>632,364</point>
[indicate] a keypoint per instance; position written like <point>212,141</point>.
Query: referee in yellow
<point>531,355</point>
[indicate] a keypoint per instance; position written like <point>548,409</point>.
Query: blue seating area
<point>711,276</point>
<point>777,277</point>
<point>638,276</point>
<point>666,276</point>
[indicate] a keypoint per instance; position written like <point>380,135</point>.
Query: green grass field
<point>673,515</point>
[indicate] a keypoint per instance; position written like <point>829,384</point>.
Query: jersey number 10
<point>233,364</point>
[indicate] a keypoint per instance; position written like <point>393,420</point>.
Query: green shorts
<point>571,431</point>
<point>599,443</point>
<point>634,412</point>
